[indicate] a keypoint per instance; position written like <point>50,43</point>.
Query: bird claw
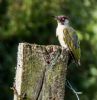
<point>66,49</point>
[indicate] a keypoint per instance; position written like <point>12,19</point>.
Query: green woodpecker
<point>68,38</point>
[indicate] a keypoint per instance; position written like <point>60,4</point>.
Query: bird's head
<point>63,20</point>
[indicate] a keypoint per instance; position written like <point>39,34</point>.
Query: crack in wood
<point>41,86</point>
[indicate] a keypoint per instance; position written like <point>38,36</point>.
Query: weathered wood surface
<point>40,72</point>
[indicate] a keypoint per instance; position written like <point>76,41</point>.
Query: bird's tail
<point>77,62</point>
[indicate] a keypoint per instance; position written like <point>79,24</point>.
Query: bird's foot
<point>64,49</point>
<point>67,49</point>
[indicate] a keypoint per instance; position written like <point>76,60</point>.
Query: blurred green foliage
<point>31,21</point>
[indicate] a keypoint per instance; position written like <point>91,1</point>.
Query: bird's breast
<point>59,31</point>
<point>60,34</point>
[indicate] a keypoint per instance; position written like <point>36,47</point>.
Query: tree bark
<point>40,72</point>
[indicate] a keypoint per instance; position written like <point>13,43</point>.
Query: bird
<point>68,38</point>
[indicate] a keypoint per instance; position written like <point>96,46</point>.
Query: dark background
<point>31,21</point>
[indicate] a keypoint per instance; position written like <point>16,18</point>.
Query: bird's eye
<point>62,19</point>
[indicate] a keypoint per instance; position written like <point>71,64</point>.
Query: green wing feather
<point>70,41</point>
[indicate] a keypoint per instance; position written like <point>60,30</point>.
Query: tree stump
<point>40,72</point>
